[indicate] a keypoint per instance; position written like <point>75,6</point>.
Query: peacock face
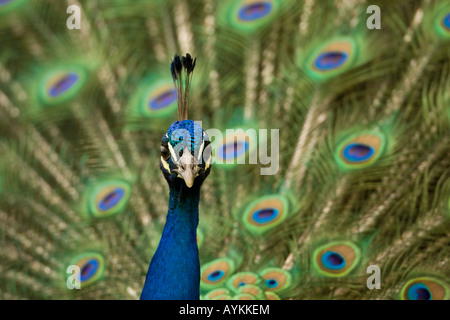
<point>185,153</point>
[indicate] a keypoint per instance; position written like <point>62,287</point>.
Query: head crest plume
<point>177,66</point>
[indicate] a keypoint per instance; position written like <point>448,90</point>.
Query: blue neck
<point>174,272</point>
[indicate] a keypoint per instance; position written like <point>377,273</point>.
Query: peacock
<point>174,272</point>
<point>314,162</point>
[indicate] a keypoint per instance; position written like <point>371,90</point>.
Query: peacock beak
<point>187,168</point>
<point>188,177</point>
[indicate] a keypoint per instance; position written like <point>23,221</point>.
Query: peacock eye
<point>165,154</point>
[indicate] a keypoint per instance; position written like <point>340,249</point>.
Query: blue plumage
<point>174,271</point>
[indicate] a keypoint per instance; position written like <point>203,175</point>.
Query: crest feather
<point>178,65</point>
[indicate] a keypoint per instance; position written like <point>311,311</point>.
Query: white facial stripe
<point>200,152</point>
<point>165,165</point>
<point>208,163</point>
<point>172,152</point>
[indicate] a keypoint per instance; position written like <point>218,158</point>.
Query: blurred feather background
<point>364,146</point>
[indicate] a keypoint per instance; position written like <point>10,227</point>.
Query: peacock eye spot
<point>165,154</point>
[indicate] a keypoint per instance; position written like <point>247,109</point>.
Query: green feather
<point>363,164</point>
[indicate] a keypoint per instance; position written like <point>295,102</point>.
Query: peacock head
<point>185,147</point>
<point>185,154</point>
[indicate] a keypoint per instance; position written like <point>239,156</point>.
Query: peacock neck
<point>174,272</point>
<point>183,207</point>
